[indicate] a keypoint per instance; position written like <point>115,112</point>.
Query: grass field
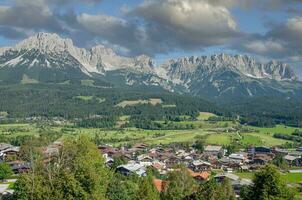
<point>139,101</point>
<point>220,139</point>
<point>278,129</point>
<point>87,82</point>
<point>27,80</point>
<point>205,115</point>
<point>293,178</point>
<point>84,98</point>
<point>216,133</point>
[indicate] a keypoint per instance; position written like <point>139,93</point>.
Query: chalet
<point>262,159</point>
<point>132,168</point>
<point>293,160</point>
<point>235,181</point>
<point>144,158</point>
<point>213,151</point>
<point>19,166</point>
<point>160,167</point>
<point>251,150</point>
<point>238,157</point>
<point>199,176</point>
<point>262,150</point>
<point>221,177</point>
<point>237,185</point>
<point>4,146</point>
<point>11,152</point>
<point>200,165</point>
<point>278,151</point>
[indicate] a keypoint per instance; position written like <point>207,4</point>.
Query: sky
<point>164,29</point>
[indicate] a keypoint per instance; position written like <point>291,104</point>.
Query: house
<point>251,150</point>
<point>144,158</point>
<point>237,185</point>
<point>10,153</point>
<point>236,182</point>
<point>4,146</point>
<point>238,157</point>
<point>221,177</point>
<point>213,151</point>
<point>160,167</point>
<point>19,166</point>
<point>278,151</point>
<point>200,165</point>
<point>262,159</point>
<point>262,150</point>
<point>293,160</point>
<point>132,168</point>
<point>199,176</point>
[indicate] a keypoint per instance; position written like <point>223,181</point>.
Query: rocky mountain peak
<point>45,42</point>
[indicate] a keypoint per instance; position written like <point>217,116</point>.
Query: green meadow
<point>216,133</point>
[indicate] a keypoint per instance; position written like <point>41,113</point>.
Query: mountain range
<point>48,58</point>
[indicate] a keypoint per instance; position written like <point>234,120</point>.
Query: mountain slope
<point>48,58</point>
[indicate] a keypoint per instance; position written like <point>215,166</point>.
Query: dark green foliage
<point>77,172</point>
<point>212,190</point>
<point>268,185</point>
<point>147,190</point>
<point>180,185</point>
<point>5,171</point>
<point>64,101</point>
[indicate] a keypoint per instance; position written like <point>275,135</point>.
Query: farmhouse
<point>213,151</point>
<point>132,168</point>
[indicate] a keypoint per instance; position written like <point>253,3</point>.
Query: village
<point>213,162</point>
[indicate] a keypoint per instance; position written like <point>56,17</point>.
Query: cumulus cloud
<point>155,27</point>
<point>282,41</point>
<point>188,25</point>
<point>112,30</point>
<point>28,14</point>
<point>165,25</point>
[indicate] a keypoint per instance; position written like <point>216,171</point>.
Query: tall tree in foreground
<point>77,172</point>
<point>268,185</point>
<point>212,190</point>
<point>147,190</point>
<point>5,171</point>
<point>179,185</point>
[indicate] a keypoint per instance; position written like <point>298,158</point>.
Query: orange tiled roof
<point>159,184</point>
<point>203,175</point>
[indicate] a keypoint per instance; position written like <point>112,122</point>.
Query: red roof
<point>159,184</point>
<point>157,166</point>
<point>202,175</point>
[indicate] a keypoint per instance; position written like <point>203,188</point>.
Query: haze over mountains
<point>48,58</point>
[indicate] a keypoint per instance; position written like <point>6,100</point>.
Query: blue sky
<point>163,29</point>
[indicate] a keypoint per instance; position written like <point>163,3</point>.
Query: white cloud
<point>262,47</point>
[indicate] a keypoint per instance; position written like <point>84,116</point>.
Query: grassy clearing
<point>288,177</point>
<point>101,100</point>
<point>205,115</point>
<point>220,139</point>
<point>27,80</point>
<point>65,83</point>
<point>169,106</point>
<point>246,175</point>
<point>293,177</point>
<point>263,139</point>
<point>154,102</point>
<point>277,129</point>
<point>251,140</point>
<point>84,98</point>
<point>87,82</point>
